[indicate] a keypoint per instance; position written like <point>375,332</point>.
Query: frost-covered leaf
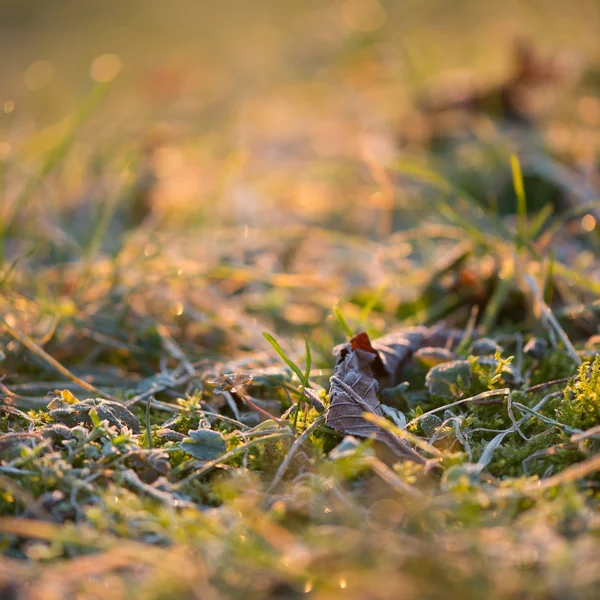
<point>353,393</point>
<point>449,379</point>
<point>79,413</point>
<point>204,444</point>
<point>429,424</point>
<point>395,415</point>
<point>430,357</point>
<point>314,400</point>
<point>484,347</point>
<point>393,351</point>
<point>348,448</point>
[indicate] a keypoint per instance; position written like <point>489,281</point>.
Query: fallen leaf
<point>363,368</point>
<point>72,414</point>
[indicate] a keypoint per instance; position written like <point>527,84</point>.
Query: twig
<point>381,469</point>
<point>403,434</point>
<point>257,408</point>
<point>541,386</point>
<point>584,435</point>
<point>131,478</point>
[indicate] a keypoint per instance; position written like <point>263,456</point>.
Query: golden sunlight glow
<point>5,149</point>
<point>363,15</point>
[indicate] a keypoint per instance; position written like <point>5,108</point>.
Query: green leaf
<point>94,417</point>
<point>204,444</point>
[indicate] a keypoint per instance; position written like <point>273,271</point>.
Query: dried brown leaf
<point>363,368</point>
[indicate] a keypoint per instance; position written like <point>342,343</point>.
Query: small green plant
<point>304,377</point>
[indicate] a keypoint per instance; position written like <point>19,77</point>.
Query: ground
<point>290,306</point>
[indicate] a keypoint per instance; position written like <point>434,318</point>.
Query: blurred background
<point>262,109</point>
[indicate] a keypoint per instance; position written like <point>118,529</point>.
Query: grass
<point>157,442</point>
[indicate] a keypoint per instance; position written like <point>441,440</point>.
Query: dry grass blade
<point>569,475</point>
<point>392,479</point>
<point>41,353</point>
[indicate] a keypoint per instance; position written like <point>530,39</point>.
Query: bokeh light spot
<point>9,106</point>
<point>105,68</point>
<point>588,223</point>
<point>384,515</point>
<point>38,75</point>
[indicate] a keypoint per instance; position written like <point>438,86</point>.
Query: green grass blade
<point>547,290</point>
<point>540,219</point>
<point>54,156</point>
<point>308,363</point>
<point>370,304</point>
<point>517,176</point>
<point>148,428</point>
<point>342,321</point>
<point>286,359</point>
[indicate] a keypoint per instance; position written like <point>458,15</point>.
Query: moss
<point>580,406</point>
<point>41,417</point>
